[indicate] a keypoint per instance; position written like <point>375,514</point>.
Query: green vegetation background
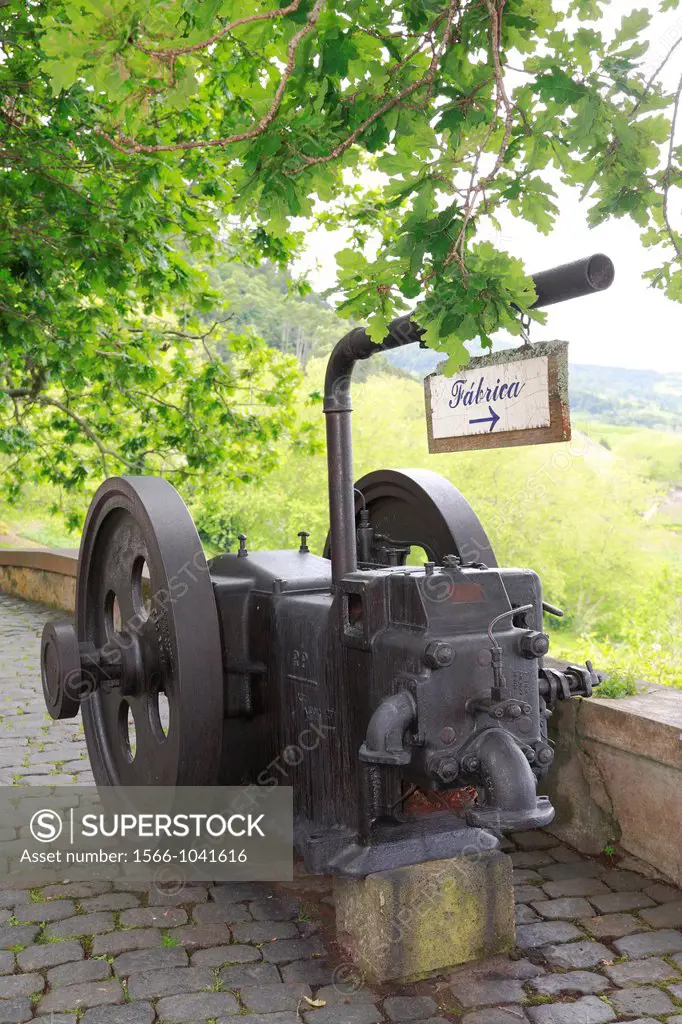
<point>600,518</point>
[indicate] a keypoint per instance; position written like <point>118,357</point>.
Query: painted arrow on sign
<point>493,419</point>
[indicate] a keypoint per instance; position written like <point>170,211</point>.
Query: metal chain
<point>525,329</point>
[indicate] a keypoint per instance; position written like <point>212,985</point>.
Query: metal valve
<point>574,681</point>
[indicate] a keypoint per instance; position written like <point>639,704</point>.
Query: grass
<point>218,984</point>
<point>658,452</point>
<point>618,686</point>
<point>28,523</point>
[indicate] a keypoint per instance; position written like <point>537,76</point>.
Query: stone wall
<point>617,776</point>
<point>40,575</point>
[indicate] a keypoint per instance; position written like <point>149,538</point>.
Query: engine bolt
<point>446,768</point>
<point>514,710</point>
<point>448,735</point>
<point>534,644</point>
<point>471,764</point>
<point>545,755</point>
<point>438,654</point>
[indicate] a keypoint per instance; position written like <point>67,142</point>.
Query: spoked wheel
<point>151,684</point>
<point>413,509</point>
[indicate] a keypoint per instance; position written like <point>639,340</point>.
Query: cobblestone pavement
<point>34,750</point>
<point>598,941</point>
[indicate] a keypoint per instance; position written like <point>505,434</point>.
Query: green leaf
<point>587,112</point>
<point>410,286</point>
<point>62,73</point>
<point>120,194</point>
<point>559,87</point>
<point>377,327</point>
<point>631,26</point>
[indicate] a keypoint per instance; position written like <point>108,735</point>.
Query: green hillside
<point>640,398</point>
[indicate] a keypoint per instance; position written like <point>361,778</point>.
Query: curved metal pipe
<point>568,282</point>
<point>387,726</point>
<point>506,775</point>
<point>354,346</point>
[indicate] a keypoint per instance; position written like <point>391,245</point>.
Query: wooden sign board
<point>514,397</point>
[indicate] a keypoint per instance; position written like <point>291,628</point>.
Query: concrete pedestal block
<point>411,922</point>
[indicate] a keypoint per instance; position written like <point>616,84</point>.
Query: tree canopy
<point>141,142</point>
<point>116,354</point>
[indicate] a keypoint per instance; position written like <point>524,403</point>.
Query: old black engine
<point>356,678</point>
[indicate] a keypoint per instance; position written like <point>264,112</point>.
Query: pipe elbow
<point>358,345</point>
<point>353,346</point>
<point>507,776</point>
<point>509,786</point>
<point>384,743</point>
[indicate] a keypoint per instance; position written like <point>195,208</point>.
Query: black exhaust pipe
<point>571,281</point>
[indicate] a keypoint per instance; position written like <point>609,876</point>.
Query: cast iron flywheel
<point>418,508</point>
<point>144,661</point>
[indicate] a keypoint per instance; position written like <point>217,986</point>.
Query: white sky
<point>630,325</point>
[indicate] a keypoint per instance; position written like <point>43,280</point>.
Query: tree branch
<point>477,188</point>
<point>649,84</point>
<point>427,80</point>
<point>130,146</point>
<point>179,51</point>
<point>667,177</point>
<point>89,432</point>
